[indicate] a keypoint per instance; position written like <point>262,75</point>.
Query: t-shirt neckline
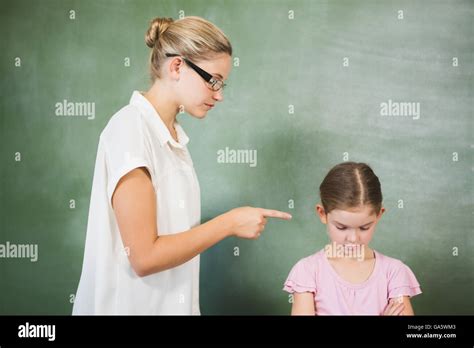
<point>349,284</point>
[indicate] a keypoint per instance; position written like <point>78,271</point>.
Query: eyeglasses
<point>213,83</point>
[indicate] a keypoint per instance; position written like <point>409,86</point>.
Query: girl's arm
<point>134,204</point>
<point>303,304</point>
<point>399,306</point>
<point>408,309</point>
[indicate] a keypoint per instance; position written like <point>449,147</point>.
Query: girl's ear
<point>322,214</point>
<point>382,210</point>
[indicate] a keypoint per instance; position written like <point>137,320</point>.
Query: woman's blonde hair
<point>191,37</point>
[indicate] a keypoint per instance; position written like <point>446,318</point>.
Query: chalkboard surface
<point>314,83</point>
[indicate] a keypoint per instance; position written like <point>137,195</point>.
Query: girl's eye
<point>344,228</point>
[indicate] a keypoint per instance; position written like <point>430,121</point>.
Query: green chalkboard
<point>314,83</point>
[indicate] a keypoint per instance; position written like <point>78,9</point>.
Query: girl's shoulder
<point>385,259</point>
<point>401,281</point>
<point>311,262</point>
<point>389,265</point>
<point>303,276</point>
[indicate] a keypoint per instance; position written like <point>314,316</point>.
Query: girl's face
<point>194,94</point>
<point>352,228</point>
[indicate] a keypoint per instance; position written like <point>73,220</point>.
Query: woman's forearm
<point>169,251</point>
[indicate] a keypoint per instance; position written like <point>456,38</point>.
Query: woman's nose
<point>218,95</point>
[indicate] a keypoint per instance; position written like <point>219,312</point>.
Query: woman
<point>144,235</point>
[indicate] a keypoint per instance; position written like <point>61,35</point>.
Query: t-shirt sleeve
<point>302,277</point>
<point>125,149</point>
<point>402,282</point>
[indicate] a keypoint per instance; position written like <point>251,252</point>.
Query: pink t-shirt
<point>334,296</point>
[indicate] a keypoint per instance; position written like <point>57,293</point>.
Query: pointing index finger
<point>276,214</point>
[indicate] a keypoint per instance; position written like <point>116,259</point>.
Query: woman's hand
<point>249,222</point>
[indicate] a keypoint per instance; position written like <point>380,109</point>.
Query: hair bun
<point>157,27</point>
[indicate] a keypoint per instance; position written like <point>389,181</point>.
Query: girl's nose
<point>352,236</point>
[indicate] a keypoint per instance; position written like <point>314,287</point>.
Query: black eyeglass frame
<point>214,83</point>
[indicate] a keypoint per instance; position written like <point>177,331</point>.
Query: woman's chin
<point>198,114</point>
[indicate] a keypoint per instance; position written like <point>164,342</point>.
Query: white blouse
<point>137,137</point>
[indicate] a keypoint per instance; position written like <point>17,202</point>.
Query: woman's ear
<point>175,67</point>
<point>322,213</point>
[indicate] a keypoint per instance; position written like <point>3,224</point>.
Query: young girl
<point>144,235</point>
<point>348,277</point>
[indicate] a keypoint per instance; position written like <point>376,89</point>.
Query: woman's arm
<point>303,304</point>
<point>134,204</point>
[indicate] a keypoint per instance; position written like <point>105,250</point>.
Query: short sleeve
<point>125,149</point>
<point>302,277</point>
<point>402,282</point>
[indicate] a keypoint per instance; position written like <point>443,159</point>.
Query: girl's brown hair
<point>191,37</point>
<point>351,185</point>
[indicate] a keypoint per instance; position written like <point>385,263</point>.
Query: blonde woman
<point>144,234</point>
